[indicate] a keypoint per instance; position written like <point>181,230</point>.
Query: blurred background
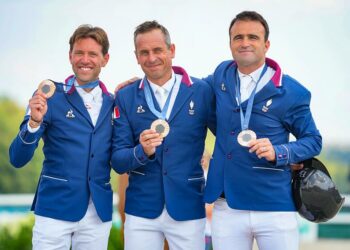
<point>309,39</point>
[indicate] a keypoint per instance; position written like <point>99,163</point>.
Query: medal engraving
<point>47,87</point>
<point>245,137</point>
<point>161,127</point>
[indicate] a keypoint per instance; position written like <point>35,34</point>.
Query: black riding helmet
<point>316,197</point>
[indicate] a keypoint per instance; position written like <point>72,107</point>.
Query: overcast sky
<point>309,39</point>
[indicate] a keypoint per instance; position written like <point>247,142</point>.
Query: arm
<point>23,146</point>
<point>126,154</point>
<point>298,120</point>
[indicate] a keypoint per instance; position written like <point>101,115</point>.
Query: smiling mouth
<point>85,69</point>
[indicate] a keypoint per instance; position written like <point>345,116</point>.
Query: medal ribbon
<point>150,103</point>
<point>89,85</point>
<point>245,118</point>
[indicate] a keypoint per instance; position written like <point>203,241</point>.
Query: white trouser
<point>90,233</point>
<point>236,229</point>
<point>145,234</point>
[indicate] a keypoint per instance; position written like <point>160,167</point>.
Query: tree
<point>14,180</point>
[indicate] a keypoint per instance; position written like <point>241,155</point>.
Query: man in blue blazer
<point>249,177</point>
<point>73,201</point>
<point>160,127</point>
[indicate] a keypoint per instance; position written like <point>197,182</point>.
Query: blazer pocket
<point>53,178</point>
<point>137,172</point>
<point>268,168</point>
<point>196,178</point>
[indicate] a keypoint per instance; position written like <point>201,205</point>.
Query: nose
<point>85,58</point>
<point>152,57</point>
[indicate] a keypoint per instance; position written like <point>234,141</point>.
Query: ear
<point>267,45</point>
<point>137,59</point>
<point>172,50</point>
<point>70,57</point>
<point>105,59</point>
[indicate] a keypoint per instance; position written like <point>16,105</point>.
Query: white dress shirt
<point>249,81</point>
<point>161,93</point>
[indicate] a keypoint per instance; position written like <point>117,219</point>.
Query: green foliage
<point>115,241</point>
<point>339,172</point>
<point>19,236</point>
<point>13,180</point>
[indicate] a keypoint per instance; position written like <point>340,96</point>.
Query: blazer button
<point>92,155</point>
<point>166,149</point>
<point>165,172</point>
<point>229,156</point>
<point>232,132</point>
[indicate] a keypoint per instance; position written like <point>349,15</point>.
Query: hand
<point>38,107</point>
<point>124,84</point>
<point>149,140</point>
<point>297,166</point>
<point>263,148</point>
<point>206,157</point>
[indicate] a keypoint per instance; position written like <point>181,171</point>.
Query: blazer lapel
<point>106,109</point>
<point>266,92</point>
<point>75,100</point>
<point>184,93</point>
<point>231,82</point>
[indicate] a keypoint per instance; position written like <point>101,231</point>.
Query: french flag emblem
<point>116,113</point>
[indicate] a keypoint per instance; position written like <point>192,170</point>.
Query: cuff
<point>282,155</point>
<point>32,130</point>
<point>140,155</point>
<point>27,136</point>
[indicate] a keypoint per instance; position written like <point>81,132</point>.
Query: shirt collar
<point>167,86</point>
<point>254,75</point>
<point>95,92</point>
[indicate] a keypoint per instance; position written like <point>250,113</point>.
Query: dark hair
<point>88,31</point>
<point>149,26</point>
<point>251,16</point>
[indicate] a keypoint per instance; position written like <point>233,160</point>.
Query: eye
<point>93,54</point>
<point>237,37</point>
<point>78,52</point>
<point>253,37</point>
<point>143,53</point>
<point>158,50</point>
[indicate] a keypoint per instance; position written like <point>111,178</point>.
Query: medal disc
<point>245,137</point>
<point>161,127</point>
<point>47,87</point>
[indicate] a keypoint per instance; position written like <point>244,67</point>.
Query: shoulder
<point>200,85</point>
<point>293,86</point>
<point>129,89</point>
<point>224,65</point>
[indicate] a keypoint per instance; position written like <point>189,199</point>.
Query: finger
<point>255,146</point>
<point>155,144</point>
<point>150,136</point>
<point>296,167</point>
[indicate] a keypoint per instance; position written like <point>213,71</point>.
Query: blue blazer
<point>77,157</point>
<point>281,108</point>
<point>174,178</point>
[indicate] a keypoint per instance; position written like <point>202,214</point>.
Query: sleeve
<point>126,154</point>
<point>23,146</point>
<point>298,120</point>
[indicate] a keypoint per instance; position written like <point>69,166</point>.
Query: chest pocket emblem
<point>265,108</point>
<point>140,109</point>
<point>191,110</point>
<point>70,114</point>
